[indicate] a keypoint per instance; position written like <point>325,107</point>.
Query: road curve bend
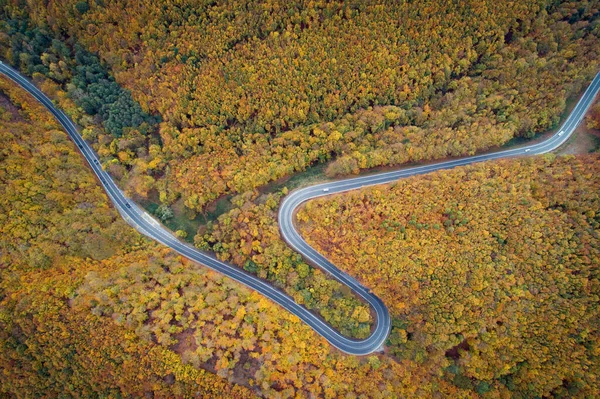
<point>147,225</point>
<point>291,203</point>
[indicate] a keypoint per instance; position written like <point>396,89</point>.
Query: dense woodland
<point>593,117</point>
<point>250,92</point>
<point>91,308</point>
<point>490,271</point>
<point>88,308</point>
<point>56,227</point>
<point>188,101</point>
<point>248,236</point>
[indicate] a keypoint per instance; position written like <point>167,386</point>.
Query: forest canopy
<point>88,308</point>
<point>56,226</point>
<point>249,92</point>
<point>490,271</point>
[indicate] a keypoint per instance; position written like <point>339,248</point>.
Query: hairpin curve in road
<point>147,225</point>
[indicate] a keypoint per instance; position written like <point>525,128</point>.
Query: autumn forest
<point>208,113</point>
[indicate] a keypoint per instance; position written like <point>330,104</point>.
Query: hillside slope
<point>57,230</point>
<point>89,308</point>
<point>490,271</point>
<point>251,92</point>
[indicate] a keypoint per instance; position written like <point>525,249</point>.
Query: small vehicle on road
<point>325,190</point>
<point>527,149</point>
<point>561,133</point>
<point>80,146</point>
<point>127,205</point>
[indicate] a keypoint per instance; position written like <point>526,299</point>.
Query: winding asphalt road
<point>147,225</point>
<point>293,201</point>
